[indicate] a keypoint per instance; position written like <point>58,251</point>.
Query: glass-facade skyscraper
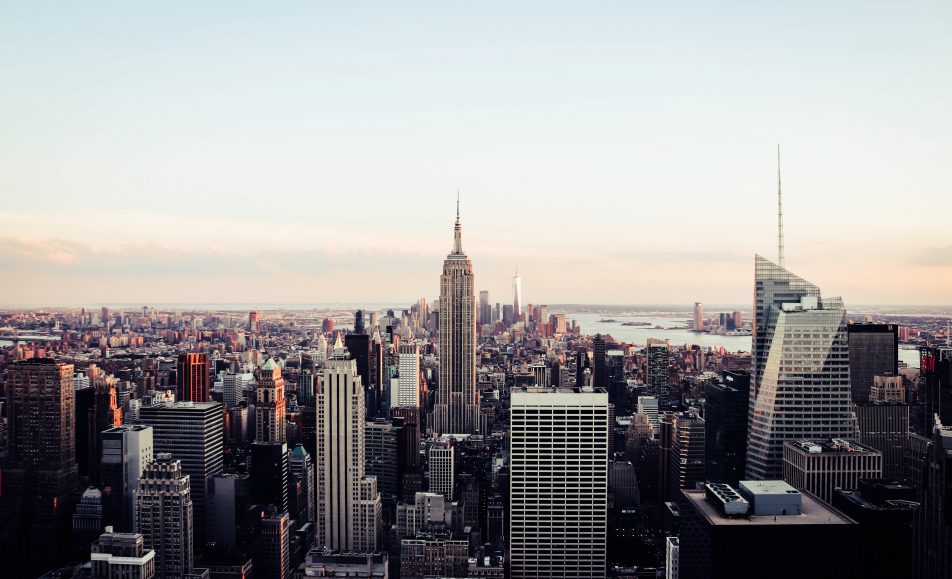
<point>800,385</point>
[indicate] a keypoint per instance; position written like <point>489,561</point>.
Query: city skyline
<point>191,158</point>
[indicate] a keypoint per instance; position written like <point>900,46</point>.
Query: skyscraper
<point>348,503</point>
<point>558,483</point>
<point>698,317</point>
<point>270,404</point>
<point>163,516</point>
<point>599,362</point>
<point>408,378</point>
<point>874,351</point>
<point>658,372</point>
<point>820,466</point>
<point>192,375</point>
<point>932,527</point>
<point>121,556</point>
<point>485,311</point>
<point>935,367</point>
<point>457,405</point>
<point>516,296</point>
<point>686,464</point>
<point>301,470</point>
<point>193,433</point>
<point>725,424</point>
<point>442,468</point>
<point>126,450</point>
<point>800,386</point>
<point>40,466</point>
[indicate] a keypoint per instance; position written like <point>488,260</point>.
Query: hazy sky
<point>615,152</point>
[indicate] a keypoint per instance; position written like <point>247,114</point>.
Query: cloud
<point>940,256</point>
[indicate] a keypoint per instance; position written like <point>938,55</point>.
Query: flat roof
<point>813,512</point>
<point>768,487</point>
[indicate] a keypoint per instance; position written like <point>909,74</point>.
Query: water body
<point>678,332</point>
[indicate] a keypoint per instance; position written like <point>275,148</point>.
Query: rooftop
<point>813,511</point>
<point>830,445</point>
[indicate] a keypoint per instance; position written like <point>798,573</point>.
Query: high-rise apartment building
<point>874,351</point>
<point>126,450</point>
<point>192,375</point>
<point>558,483</point>
<point>270,404</point>
<point>407,393</point>
<point>725,424</point>
<point>457,403</point>
<point>164,516</point>
<point>192,432</point>
<point>658,371</point>
<point>821,466</point>
<point>800,379</point>
<point>348,503</point>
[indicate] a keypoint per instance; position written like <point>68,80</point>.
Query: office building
<point>884,509</point>
<point>768,529</point>
<point>253,322</point>
<point>40,467</point>
<point>516,296</point>
<point>270,404</point>
<point>657,377</point>
<point>686,460</point>
<point>932,526</point>
<point>441,461</point>
<point>874,351</point>
<point>233,386</point>
<point>599,363</point>
<point>407,392</point>
<point>672,548</point>
<point>358,346</point>
<point>485,310</point>
<point>725,423</point>
<point>884,426</point>
<point>381,457</point>
<point>126,450</point>
<point>457,401</point>
<point>192,432</point>
<point>935,390</point>
<point>648,406</point>
<point>325,563</point>
<point>117,555</point>
<point>552,535</point>
<point>192,376</point>
<point>163,516</point>
<point>271,548</point>
<point>269,474</point>
<point>698,317</point>
<point>800,380</point>
<point>301,470</point>
<point>433,555</point>
<point>229,497</point>
<point>821,466</point>
<point>348,503</point>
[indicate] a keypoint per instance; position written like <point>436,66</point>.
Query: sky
<point>613,152</point>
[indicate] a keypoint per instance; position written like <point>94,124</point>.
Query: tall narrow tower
<point>516,295</point>
<point>457,406</point>
<point>270,406</point>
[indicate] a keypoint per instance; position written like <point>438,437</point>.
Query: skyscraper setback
<point>800,382</point>
<point>457,404</point>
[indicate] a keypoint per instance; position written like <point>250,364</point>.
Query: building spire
<point>779,212</point>
<point>457,231</point>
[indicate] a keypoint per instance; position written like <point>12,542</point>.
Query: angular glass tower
<point>800,383</point>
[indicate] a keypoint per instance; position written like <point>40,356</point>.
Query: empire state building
<point>457,405</point>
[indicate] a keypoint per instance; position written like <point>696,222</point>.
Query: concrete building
<point>457,400</point>
<point>767,529</point>
<point>433,555</point>
<point>407,393</point>
<point>671,557</point>
<point>126,450</point>
<point>558,483</point>
<point>163,516</point>
<point>324,563</point>
<point>121,556</point>
<point>270,405</point>
<point>442,468</point>
<point>348,504</point>
<point>821,466</point>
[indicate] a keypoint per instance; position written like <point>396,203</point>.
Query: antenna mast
<point>779,211</point>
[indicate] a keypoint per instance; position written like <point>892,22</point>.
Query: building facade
<point>163,516</point>
<point>822,466</point>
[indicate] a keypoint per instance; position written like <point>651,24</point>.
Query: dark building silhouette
<point>192,375</point>
<point>932,530</point>
<point>935,391</point>
<point>599,362</point>
<point>269,474</point>
<point>359,347</point>
<point>884,508</point>
<point>885,427</point>
<point>725,420</point>
<point>874,350</point>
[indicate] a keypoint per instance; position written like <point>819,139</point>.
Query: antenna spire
<point>457,205</point>
<point>779,211</point>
